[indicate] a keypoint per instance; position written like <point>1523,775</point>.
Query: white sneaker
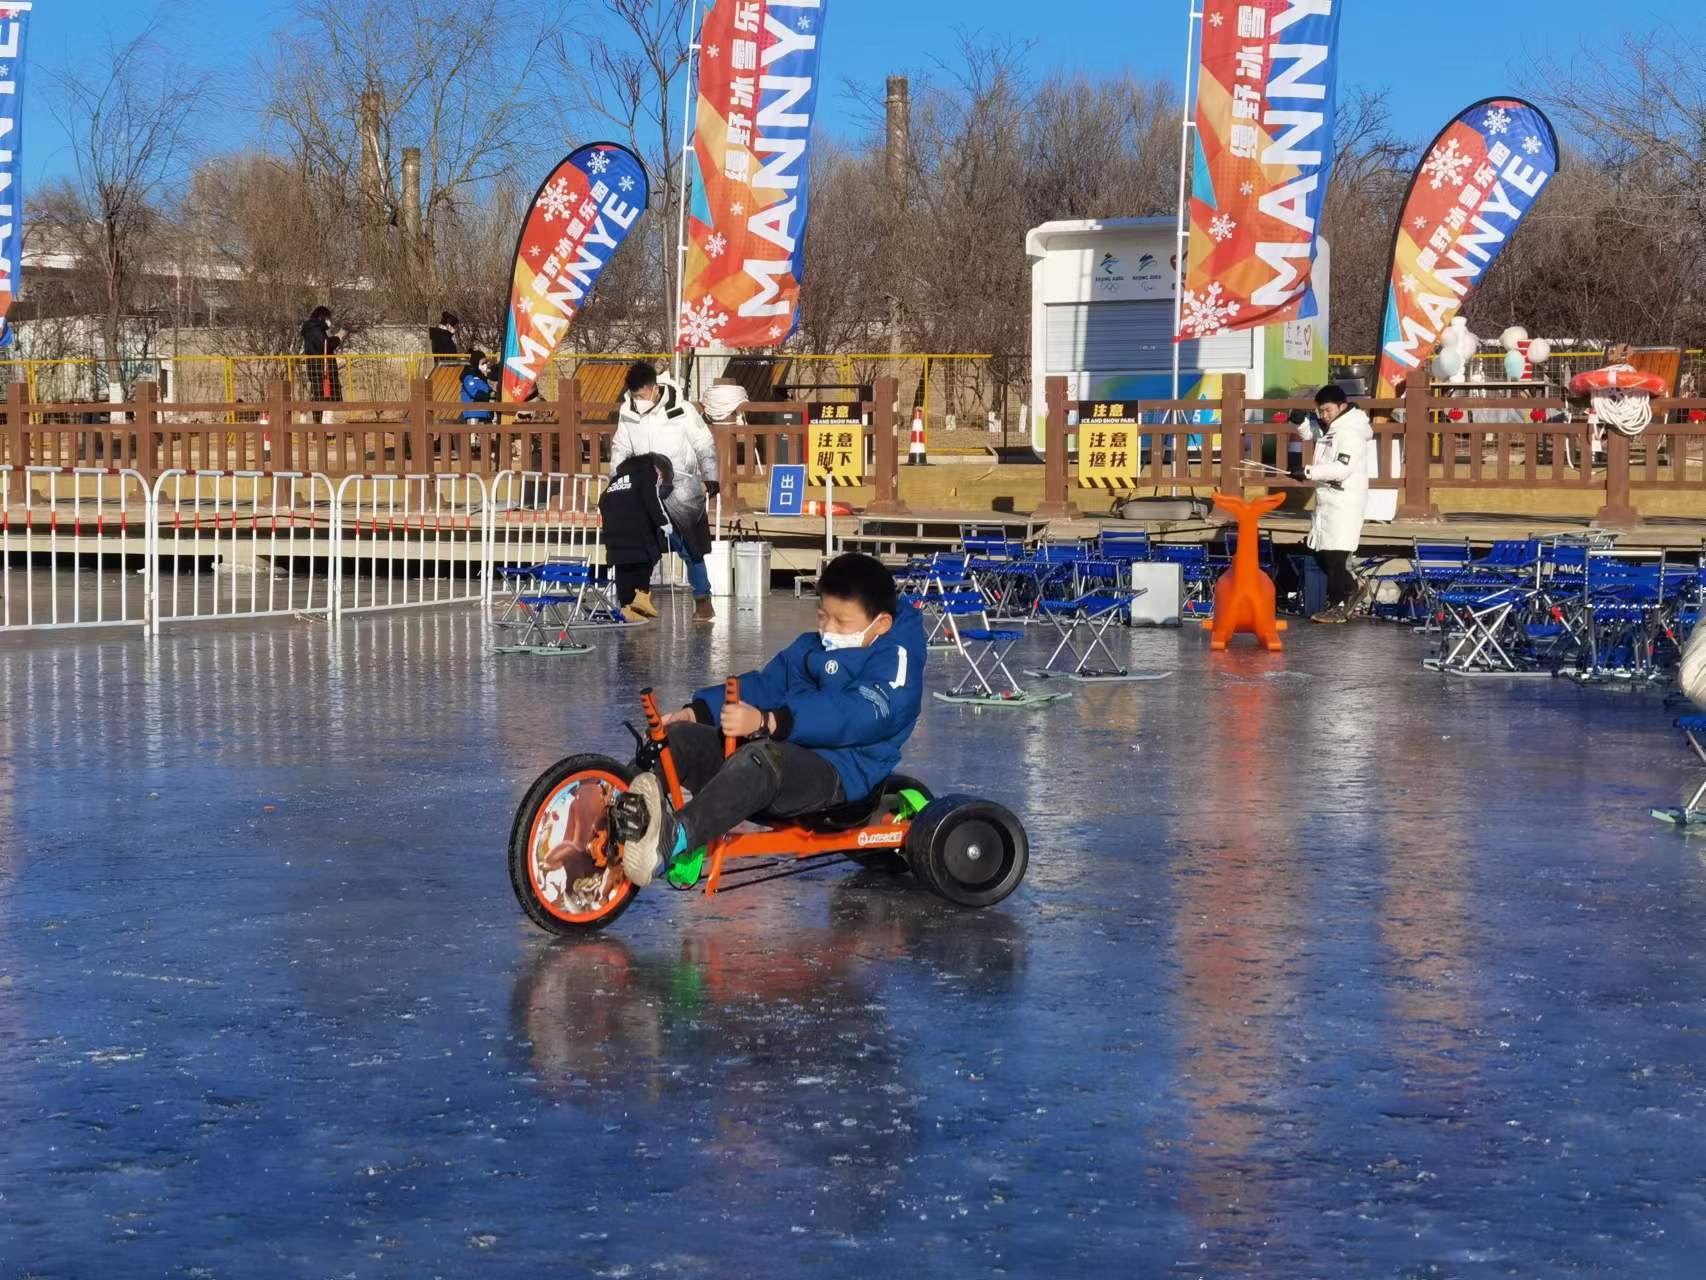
<point>642,856</point>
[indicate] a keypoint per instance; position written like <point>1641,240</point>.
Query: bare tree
<point>354,84</point>
<point>1371,171</point>
<point>627,75</point>
<point>128,116</point>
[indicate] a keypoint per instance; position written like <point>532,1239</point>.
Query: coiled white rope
<point>1627,412</point>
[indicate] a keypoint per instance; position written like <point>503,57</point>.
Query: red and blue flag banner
<point>1475,185</point>
<point>13,19</point>
<point>578,219</point>
<point>758,72</point>
<point>1267,94</point>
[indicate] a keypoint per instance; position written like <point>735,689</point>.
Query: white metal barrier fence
<point>538,517</point>
<point>73,548</point>
<point>401,542</point>
<point>251,530</point>
<point>93,547</point>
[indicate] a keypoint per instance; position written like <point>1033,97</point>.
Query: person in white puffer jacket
<point>1342,435</point>
<point>656,418</point>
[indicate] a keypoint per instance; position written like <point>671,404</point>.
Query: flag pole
<point>1182,242</point>
<point>690,125</point>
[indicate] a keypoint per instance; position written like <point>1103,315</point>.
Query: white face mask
<point>834,640</point>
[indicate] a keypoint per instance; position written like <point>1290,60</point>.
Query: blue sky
<point>1434,68</point>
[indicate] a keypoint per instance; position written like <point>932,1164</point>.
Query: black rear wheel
<point>972,852</point>
<point>570,802</point>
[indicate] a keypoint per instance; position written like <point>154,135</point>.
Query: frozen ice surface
<point>1350,971</point>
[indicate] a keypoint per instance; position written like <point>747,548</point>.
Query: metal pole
<point>689,124</point>
<point>1187,126</point>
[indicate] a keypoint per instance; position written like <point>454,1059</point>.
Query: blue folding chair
<point>1690,815</point>
<point>988,681</point>
<point>1083,625</point>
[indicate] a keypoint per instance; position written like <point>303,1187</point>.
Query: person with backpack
<point>636,528</point>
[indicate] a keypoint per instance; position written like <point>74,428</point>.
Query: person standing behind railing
<point>656,418</point>
<point>445,342</point>
<point>321,343</point>
<point>1342,434</point>
<point>477,385</point>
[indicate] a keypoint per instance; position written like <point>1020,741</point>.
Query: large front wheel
<point>564,862</point>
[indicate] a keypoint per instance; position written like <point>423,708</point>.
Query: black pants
<point>631,578</point>
<point>763,777</point>
<point>1341,582</point>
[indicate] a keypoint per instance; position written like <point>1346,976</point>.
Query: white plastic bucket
<point>752,570</point>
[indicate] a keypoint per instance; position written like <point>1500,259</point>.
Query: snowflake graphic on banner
<point>557,201</point>
<point>1498,121</point>
<point>805,22</point>
<point>713,52</point>
<point>597,162</point>
<point>699,324</point>
<point>1532,145</point>
<point>715,246</point>
<point>1208,314</point>
<point>626,183</point>
<point>1216,19</point>
<point>738,209</point>
<point>1419,223</point>
<point>1222,227</point>
<point>1410,283</point>
<point>1446,165</point>
<point>775,331</point>
<point>1247,188</point>
<point>526,305</point>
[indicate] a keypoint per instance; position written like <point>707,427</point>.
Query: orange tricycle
<point>565,849</point>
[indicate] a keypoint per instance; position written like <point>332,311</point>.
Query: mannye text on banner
<point>1476,183</point>
<point>758,69</point>
<point>14,17</point>
<point>1266,105</point>
<point>577,221</point>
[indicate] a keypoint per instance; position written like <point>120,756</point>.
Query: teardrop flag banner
<point>1266,118</point>
<point>578,219</point>
<point>1475,185</point>
<point>758,71</point>
<point>13,19</point>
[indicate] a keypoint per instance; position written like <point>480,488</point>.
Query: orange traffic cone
<point>915,455</point>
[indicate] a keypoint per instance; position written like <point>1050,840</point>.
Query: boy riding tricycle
<point>792,763</point>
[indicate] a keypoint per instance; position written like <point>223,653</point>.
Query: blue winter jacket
<point>854,707</point>
<point>476,390</point>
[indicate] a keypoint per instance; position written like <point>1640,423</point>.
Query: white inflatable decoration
<point>1539,351</point>
<point>1448,364</point>
<point>1513,338</point>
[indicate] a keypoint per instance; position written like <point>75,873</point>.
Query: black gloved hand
<point>1297,417</point>
<point>712,488</point>
<point>1297,471</point>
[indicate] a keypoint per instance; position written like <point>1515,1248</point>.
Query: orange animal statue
<point>1244,599</point>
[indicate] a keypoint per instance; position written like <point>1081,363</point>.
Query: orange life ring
<point>1586,384</point>
<point>815,508</point>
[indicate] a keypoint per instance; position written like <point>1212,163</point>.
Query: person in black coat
<point>320,343</point>
<point>636,527</point>
<point>446,342</point>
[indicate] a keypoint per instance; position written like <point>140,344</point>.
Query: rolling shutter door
<point>1133,337</point>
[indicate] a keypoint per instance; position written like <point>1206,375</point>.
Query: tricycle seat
<point>848,816</point>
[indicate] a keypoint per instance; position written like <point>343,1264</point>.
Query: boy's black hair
<point>640,376</point>
<point>449,319</point>
<point>1332,393</point>
<point>859,577</point>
